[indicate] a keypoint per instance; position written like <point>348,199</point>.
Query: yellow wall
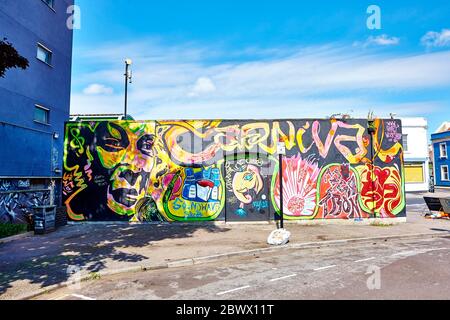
<point>414,173</point>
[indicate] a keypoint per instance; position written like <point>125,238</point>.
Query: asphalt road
<point>413,269</point>
<point>414,200</point>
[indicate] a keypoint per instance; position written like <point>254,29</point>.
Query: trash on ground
<point>438,215</point>
<point>279,237</point>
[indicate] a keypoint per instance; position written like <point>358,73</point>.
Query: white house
<point>415,144</point>
<point>444,127</point>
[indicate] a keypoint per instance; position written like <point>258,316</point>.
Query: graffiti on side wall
<point>214,170</point>
<point>15,207</point>
<point>16,184</point>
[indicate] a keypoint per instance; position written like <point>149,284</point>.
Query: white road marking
<point>80,296</point>
<point>282,278</point>
<point>324,268</point>
<point>406,253</point>
<point>417,252</point>
<point>234,290</point>
<point>438,249</point>
<point>60,297</point>
<point>364,260</point>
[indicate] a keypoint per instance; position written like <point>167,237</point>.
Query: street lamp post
<point>127,75</point>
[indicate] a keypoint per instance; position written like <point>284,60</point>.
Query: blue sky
<point>263,59</point>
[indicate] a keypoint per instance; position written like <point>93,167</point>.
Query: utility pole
<point>128,77</point>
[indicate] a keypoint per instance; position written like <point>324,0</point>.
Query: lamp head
<point>128,62</point>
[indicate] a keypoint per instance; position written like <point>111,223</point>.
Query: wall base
<point>365,222</point>
<point>374,221</point>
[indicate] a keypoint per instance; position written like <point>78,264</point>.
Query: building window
<point>444,173</point>
<point>50,3</point>
<point>405,142</point>
<point>443,148</point>
<point>44,54</point>
<point>41,114</point>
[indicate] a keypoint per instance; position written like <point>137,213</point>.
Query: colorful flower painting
<point>299,187</point>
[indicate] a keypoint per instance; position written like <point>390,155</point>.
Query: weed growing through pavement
<point>94,276</point>
<point>379,223</point>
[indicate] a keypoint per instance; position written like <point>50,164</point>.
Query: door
<point>247,189</point>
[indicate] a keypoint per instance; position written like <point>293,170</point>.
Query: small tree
<point>10,58</point>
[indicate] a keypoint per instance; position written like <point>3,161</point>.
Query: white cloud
<point>98,89</point>
<point>357,107</point>
<point>86,104</point>
<point>307,82</point>
<point>436,39</point>
<point>202,86</point>
<point>383,40</point>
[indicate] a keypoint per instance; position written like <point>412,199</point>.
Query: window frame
<point>440,150</point>
<point>52,6</point>
<point>405,138</point>
<point>47,110</point>
<point>442,173</point>
<point>40,45</point>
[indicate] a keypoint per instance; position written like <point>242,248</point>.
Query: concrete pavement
<point>31,264</point>
<point>398,269</point>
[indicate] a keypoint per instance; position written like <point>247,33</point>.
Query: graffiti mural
<point>14,184</point>
<point>339,193</point>
<point>194,193</point>
<point>299,187</point>
<point>248,188</point>
<point>381,190</point>
<point>392,131</point>
<point>16,206</point>
<point>228,170</point>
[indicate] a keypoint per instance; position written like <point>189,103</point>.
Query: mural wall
<point>229,170</point>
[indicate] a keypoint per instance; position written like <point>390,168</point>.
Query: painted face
<point>127,150</point>
<point>246,181</point>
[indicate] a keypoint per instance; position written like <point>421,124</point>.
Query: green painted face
<point>127,150</point>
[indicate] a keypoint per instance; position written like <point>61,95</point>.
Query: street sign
<point>281,148</point>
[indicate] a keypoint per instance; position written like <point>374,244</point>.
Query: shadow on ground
<point>44,260</point>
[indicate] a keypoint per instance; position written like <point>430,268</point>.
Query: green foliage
<point>10,58</point>
<point>94,276</point>
<point>380,223</point>
<point>371,128</point>
<point>9,229</point>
